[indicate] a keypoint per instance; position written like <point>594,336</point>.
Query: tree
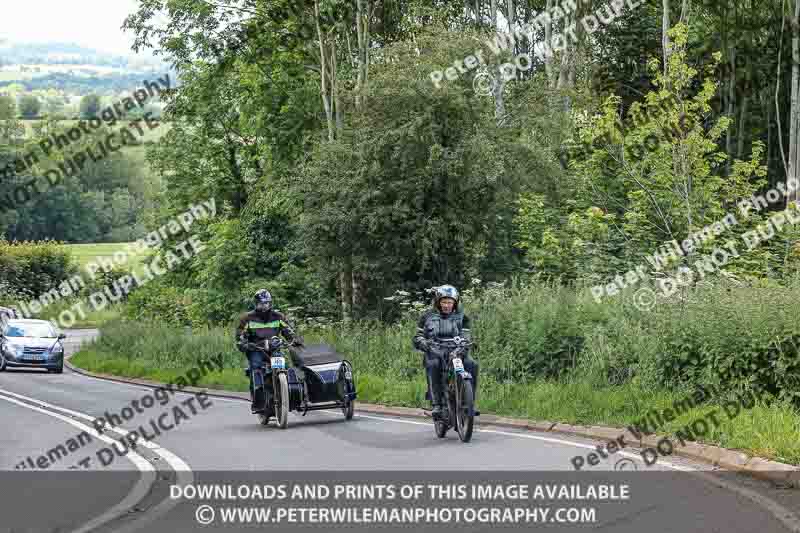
<point>8,108</point>
<point>54,108</point>
<point>29,106</point>
<point>90,106</point>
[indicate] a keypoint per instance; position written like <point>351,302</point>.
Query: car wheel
<point>58,370</point>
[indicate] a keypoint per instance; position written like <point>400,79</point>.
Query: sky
<point>91,23</point>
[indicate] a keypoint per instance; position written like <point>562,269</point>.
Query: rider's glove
<point>425,345</point>
<point>241,344</point>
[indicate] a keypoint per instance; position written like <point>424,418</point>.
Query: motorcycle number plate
<point>278,363</point>
<point>458,365</point>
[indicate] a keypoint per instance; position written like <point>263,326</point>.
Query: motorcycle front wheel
<point>282,401</point>
<point>464,410</point>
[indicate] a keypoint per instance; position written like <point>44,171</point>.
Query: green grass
<point>149,135</point>
<point>388,372</point>
<point>88,253</point>
<point>92,318</point>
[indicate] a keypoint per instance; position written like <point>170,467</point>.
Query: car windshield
<point>30,330</point>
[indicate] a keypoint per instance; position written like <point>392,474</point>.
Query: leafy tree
<point>90,106</point>
<point>8,108</point>
<point>29,106</point>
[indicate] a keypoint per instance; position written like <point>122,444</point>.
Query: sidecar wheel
<point>348,410</point>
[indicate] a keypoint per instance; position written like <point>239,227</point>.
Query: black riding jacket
<point>434,325</point>
<point>256,327</point>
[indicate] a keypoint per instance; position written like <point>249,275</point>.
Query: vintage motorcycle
<point>320,379</point>
<point>461,411</point>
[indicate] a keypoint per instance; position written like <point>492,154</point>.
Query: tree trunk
<point>548,39</point>
<point>742,125</point>
<point>563,74</point>
<point>795,100</point>
<point>337,102</point>
<point>346,290</point>
<point>685,8</point>
<point>493,14</point>
<point>360,81</point>
<point>324,91</point>
<point>357,295</point>
<point>730,110</point>
<point>766,105</point>
<point>664,37</point>
<point>510,16</point>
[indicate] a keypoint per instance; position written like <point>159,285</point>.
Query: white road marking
<point>783,514</point>
<point>553,440</point>
<point>184,473</point>
<point>139,491</point>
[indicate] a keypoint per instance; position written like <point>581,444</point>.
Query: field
<point>149,135</point>
<point>87,253</point>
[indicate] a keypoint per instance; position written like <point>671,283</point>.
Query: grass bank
<point>388,372</point>
<point>89,253</point>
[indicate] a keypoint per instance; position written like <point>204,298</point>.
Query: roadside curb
<point>780,474</point>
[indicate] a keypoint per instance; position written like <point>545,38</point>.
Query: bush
<point>104,279</point>
<point>33,268</point>
<point>157,302</point>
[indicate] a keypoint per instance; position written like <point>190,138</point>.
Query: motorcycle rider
<point>257,327</point>
<point>445,321</point>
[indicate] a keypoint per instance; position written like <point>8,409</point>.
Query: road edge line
<point>780,474</point>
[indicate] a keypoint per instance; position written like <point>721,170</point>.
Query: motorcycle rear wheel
<point>282,402</point>
<point>464,410</point>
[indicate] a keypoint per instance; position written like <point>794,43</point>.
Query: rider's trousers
<point>257,359</point>
<point>436,380</point>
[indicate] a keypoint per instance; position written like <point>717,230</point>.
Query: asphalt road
<point>86,479</point>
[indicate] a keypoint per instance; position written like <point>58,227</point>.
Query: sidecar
<point>320,379</point>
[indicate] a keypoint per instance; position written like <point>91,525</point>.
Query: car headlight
<point>58,350</point>
<point>13,350</point>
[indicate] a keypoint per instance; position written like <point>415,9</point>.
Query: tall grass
<point>551,353</point>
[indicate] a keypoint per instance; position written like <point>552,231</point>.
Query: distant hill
<point>73,69</point>
<point>69,54</point>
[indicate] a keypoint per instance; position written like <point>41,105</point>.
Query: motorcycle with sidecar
<point>320,379</point>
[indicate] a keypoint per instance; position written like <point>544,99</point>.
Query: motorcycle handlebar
<point>264,345</point>
<point>455,343</point>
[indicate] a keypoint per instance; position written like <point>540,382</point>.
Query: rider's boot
<point>438,407</point>
<point>258,401</point>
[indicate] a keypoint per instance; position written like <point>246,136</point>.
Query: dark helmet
<point>263,301</point>
<point>446,291</point>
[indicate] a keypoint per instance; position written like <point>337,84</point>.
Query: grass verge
<point>162,353</point>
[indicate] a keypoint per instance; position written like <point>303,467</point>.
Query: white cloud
<point>91,23</point>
